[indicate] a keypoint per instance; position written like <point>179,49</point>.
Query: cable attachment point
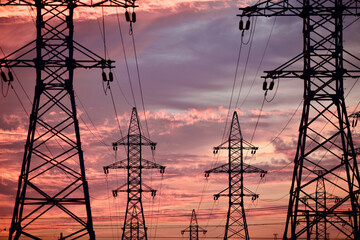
<point>106,79</point>
<point>271,85</point>
<point>241,25</point>
<point>131,19</point>
<point>247,25</point>
<point>115,148</point>
<point>3,76</point>
<point>9,78</point>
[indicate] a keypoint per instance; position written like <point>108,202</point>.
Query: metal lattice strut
<point>236,226</point>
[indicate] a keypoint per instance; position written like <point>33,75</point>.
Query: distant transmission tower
<point>236,226</point>
<point>325,142</point>
<point>194,228</point>
<point>318,202</point>
<point>52,178</point>
<point>134,223</point>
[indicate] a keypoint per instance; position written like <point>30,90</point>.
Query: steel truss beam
<point>236,226</point>
<point>328,149</point>
<point>134,223</point>
<point>52,181</point>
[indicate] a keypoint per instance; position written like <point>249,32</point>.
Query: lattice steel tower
<point>134,223</point>
<point>236,226</point>
<point>193,228</point>
<point>330,149</point>
<point>52,181</point>
<point>318,202</point>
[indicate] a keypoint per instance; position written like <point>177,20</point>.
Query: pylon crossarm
<point>221,194</point>
<point>246,169</point>
<point>223,145</point>
<point>185,230</point>
<point>120,164</point>
<point>251,194</point>
<point>248,146</point>
<point>281,72</point>
<point>224,193</point>
<point>122,188</point>
<point>355,115</point>
<point>220,169</point>
<point>93,61</point>
<point>252,169</point>
<point>105,3</point>
<point>271,8</point>
<point>124,141</point>
<point>152,165</point>
<point>146,188</point>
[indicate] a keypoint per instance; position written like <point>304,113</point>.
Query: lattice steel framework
<point>52,181</point>
<point>318,201</point>
<point>236,226</point>
<point>134,223</point>
<point>325,141</point>
<point>193,229</point>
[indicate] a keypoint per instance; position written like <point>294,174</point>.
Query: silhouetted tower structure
<point>325,66</point>
<point>318,202</point>
<point>194,228</point>
<point>236,226</point>
<point>52,179</point>
<point>320,206</point>
<point>134,223</point>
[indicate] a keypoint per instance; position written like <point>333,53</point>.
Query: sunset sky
<point>187,54</point>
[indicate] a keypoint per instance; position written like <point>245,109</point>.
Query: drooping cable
<point>260,64</point>
<point>282,130</point>
<point>99,138</point>
<point>158,207</point>
<point>104,31</point>
<point>116,114</point>
<point>258,119</point>
<point>252,34</point>
<point>111,220</point>
<point>232,90</point>
<point>125,57</point>
<point>139,80</point>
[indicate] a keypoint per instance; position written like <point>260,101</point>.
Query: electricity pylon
<point>193,228</point>
<point>236,226</point>
<point>318,202</point>
<point>330,149</point>
<point>52,181</point>
<point>134,223</point>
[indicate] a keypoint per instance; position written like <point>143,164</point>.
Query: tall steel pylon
<point>193,228</point>
<point>52,181</point>
<point>236,226</point>
<point>325,141</point>
<point>134,223</point>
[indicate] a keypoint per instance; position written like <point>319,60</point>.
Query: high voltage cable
<point>251,38</point>
<point>292,116</point>
<point>261,61</point>
<point>99,138</point>
<point>233,88</point>
<point>125,57</point>
<point>139,79</point>
<point>258,119</point>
